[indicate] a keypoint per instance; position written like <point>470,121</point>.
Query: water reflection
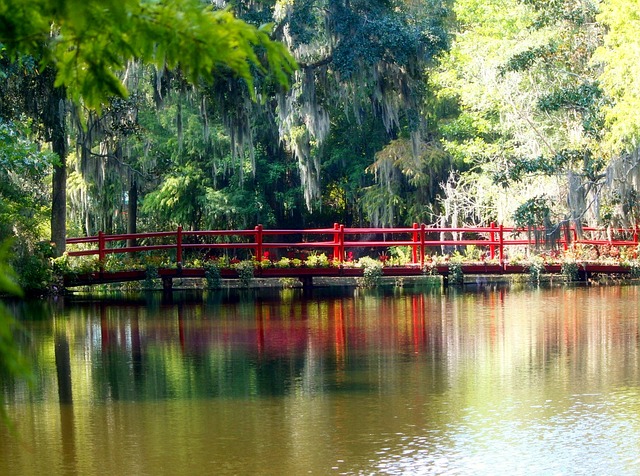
<point>495,381</point>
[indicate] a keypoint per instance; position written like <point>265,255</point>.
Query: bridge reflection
<point>281,341</point>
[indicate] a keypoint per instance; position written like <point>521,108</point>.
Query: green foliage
<point>532,212</point>
<point>577,97</point>
<point>526,59</point>
<point>570,270</point>
<point>585,98</point>
<point>180,198</point>
<point>212,275</point>
<point>23,203</point>
<point>535,268</point>
<point>89,42</point>
<point>371,273</point>
<point>23,192</point>
<point>283,262</point>
<point>530,102</point>
<point>370,34</point>
<point>151,278</point>
<point>456,275</point>
<point>33,265</point>
<point>289,283</point>
<point>245,270</point>
<point>473,253</point>
<point>317,260</point>
<point>8,279</point>
<point>620,71</point>
<point>522,168</point>
<point>65,265</point>
<point>400,255</point>
<point>634,268</point>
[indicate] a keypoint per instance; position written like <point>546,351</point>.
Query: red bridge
<point>496,249</point>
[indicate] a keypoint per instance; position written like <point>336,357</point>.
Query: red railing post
<point>414,251</point>
<point>341,243</point>
<point>336,243</point>
<point>259,252</point>
<point>492,247</point>
<point>101,250</point>
<point>635,234</point>
<point>501,244</point>
<point>179,247</point>
<point>422,243</point>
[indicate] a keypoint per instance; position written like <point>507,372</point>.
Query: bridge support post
<point>179,247</point>
<point>101,250</point>
<point>307,281</point>
<point>422,244</point>
<point>501,245</point>
<point>584,275</point>
<point>258,242</point>
<point>492,247</point>
<point>414,248</point>
<point>167,283</point>
<point>445,279</point>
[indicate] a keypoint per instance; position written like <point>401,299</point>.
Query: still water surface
<point>340,381</point>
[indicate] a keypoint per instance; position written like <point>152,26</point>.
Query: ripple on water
<point>583,434</point>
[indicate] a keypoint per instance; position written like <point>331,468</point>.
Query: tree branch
<point>322,62</point>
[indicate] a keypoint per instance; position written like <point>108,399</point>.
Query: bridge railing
<point>494,240</point>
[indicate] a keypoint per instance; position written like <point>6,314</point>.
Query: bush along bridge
<point>347,252</point>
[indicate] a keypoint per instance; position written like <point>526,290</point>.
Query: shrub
<point>245,270</point>
<point>372,272</point>
<point>317,261</point>
<point>456,276</point>
<point>536,268</point>
<point>570,270</point>
<point>634,268</point>
<point>289,283</point>
<point>212,275</point>
<point>151,278</point>
<point>283,263</point>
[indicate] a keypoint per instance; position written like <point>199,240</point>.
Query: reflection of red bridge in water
<point>339,243</point>
<point>269,328</point>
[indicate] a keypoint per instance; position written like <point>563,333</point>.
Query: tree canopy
<point>447,112</point>
<point>90,42</point>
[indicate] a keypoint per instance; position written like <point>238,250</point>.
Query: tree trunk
<point>59,208</point>
<point>55,121</point>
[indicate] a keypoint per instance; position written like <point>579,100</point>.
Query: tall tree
<point>88,43</point>
<point>529,105</point>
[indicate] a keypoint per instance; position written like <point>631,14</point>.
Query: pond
<point>486,380</point>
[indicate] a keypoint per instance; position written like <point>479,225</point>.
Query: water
<point>343,381</point>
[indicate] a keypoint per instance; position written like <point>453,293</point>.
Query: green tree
<point>87,44</point>
<point>620,72</point>
<point>24,199</point>
<point>529,104</point>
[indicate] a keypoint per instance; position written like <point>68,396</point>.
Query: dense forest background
<point>441,112</point>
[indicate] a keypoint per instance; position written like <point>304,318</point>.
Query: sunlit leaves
<point>90,41</point>
<point>619,78</point>
<point>23,170</point>
<point>180,198</point>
